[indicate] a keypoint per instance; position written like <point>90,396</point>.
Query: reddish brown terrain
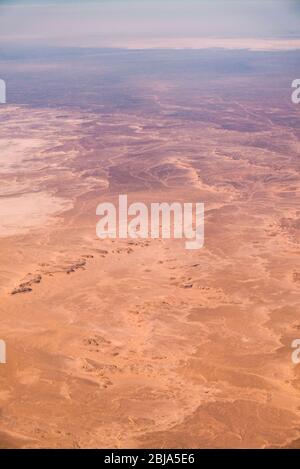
<point>142,343</point>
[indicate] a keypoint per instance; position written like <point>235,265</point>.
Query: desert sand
<point>142,343</point>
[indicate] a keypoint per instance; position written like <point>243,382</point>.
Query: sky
<point>151,23</point>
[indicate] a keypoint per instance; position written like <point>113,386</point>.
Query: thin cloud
<point>105,23</point>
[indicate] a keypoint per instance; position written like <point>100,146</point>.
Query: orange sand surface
<point>142,343</point>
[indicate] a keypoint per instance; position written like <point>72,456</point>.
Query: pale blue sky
<point>118,22</point>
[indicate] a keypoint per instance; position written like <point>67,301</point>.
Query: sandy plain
<point>123,343</point>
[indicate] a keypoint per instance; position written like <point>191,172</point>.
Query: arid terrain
<point>142,343</point>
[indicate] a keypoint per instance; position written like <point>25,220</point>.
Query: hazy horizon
<point>145,24</point>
